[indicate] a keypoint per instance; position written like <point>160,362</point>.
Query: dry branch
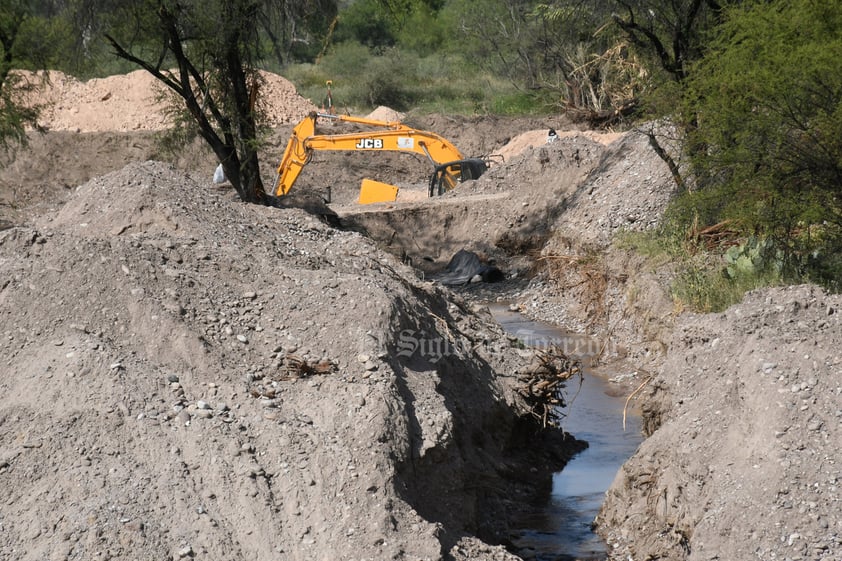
<point>543,385</point>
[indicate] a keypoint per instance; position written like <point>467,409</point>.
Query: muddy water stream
<point>560,530</point>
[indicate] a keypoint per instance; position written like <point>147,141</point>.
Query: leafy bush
<point>702,288</point>
<point>365,23</point>
<point>767,146</point>
<point>364,78</point>
<point>389,81</point>
<point>706,280</point>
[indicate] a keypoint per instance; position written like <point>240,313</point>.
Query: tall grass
<point>700,280</point>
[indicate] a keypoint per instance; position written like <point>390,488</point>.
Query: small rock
<point>250,295</point>
<point>271,414</point>
<point>173,379</point>
<point>202,405</point>
<point>363,358</point>
<point>183,416</point>
<point>242,339</point>
<point>186,551</point>
<point>370,366</point>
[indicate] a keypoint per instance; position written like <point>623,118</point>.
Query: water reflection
<point>561,529</point>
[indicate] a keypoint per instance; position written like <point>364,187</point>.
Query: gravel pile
<point>188,376</point>
<point>744,459</point>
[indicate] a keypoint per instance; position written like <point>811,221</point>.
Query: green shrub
<point>389,81</point>
<point>766,102</point>
<point>707,280</point>
<point>363,78</point>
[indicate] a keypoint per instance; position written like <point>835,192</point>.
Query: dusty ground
<point>185,375</point>
<point>744,459</point>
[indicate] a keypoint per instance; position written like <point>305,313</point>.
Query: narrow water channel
<point>560,530</point>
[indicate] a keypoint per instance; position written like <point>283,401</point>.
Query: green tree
<point>670,35</point>
<point>28,39</point>
<point>367,23</point>
<point>563,47</point>
<point>213,48</point>
<point>767,98</point>
<point>296,30</point>
<point>672,32</point>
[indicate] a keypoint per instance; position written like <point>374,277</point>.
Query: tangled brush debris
<point>543,384</point>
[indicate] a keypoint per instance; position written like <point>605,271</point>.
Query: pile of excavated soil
<point>508,211</point>
<point>188,376</point>
<point>386,114</point>
<point>744,459</point>
<point>138,102</point>
<point>586,284</point>
<point>539,137</point>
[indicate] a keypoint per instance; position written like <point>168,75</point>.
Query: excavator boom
<point>390,136</point>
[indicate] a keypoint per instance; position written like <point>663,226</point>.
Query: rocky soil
<point>186,376</point>
<point>743,459</point>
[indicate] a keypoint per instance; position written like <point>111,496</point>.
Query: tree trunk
<point>250,186</point>
<point>235,134</point>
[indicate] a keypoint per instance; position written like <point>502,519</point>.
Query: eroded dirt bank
<point>185,375</point>
<point>744,459</point>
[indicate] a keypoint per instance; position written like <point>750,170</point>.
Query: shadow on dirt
<point>473,467</point>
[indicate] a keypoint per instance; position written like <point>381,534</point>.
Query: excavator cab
<point>449,175</point>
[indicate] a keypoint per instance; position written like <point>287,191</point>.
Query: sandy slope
<point>139,102</point>
<point>184,373</point>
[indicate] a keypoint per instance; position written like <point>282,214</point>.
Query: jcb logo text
<point>369,143</point>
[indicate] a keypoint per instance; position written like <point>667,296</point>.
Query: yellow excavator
<point>449,166</point>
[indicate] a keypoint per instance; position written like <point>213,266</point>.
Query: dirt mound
<point>629,189</point>
<point>744,461</point>
<point>138,102</point>
<point>186,375</point>
<point>539,137</point>
<point>589,285</point>
<point>507,212</point>
<point>383,113</point>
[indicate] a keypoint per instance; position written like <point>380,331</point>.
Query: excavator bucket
<point>376,192</point>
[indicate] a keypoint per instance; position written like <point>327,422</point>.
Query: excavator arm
<point>391,136</point>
